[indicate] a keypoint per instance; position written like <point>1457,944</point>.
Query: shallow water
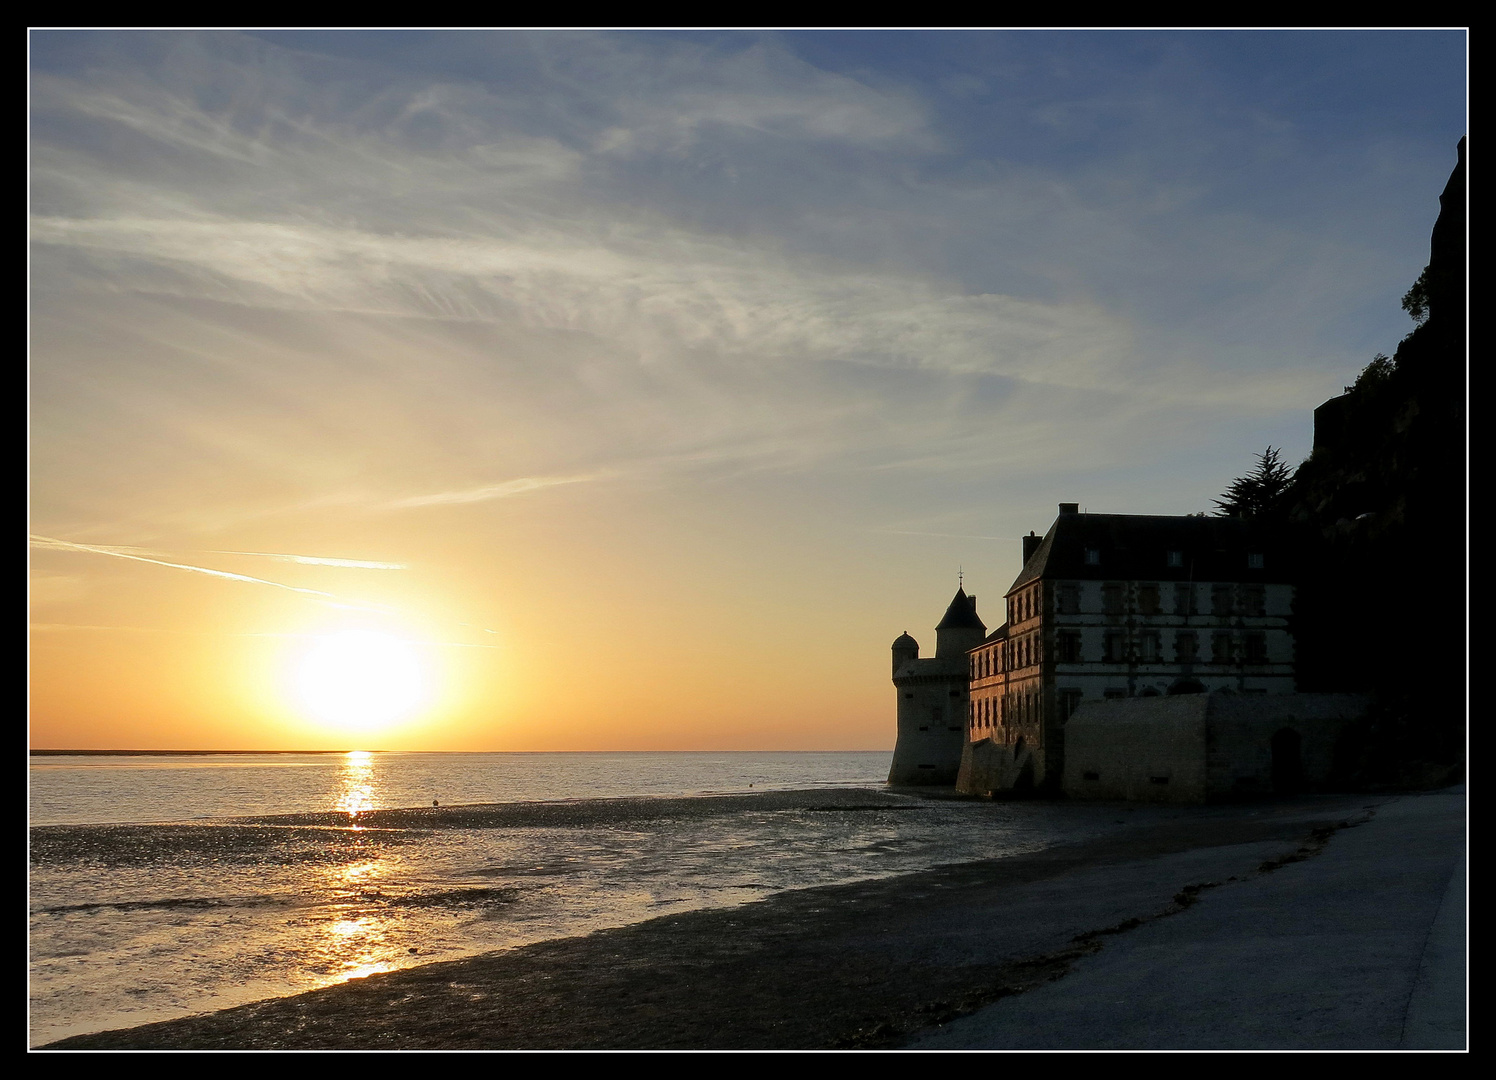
<point>68,790</point>
<point>134,922</point>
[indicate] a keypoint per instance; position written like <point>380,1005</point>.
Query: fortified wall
<point>1200,748</point>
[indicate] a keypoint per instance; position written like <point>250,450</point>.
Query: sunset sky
<point>634,390</point>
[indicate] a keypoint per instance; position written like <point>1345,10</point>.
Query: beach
<point>947,957</point>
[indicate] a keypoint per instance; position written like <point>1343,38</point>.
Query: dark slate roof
<point>999,634</point>
<point>962,614</point>
<point>904,640</point>
<point>1136,548</point>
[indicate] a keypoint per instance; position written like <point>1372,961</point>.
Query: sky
<point>635,390</point>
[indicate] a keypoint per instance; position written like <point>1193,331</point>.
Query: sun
<point>361,680</point>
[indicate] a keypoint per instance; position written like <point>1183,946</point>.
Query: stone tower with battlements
<point>932,698</point>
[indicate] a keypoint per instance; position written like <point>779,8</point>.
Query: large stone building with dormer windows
<point>1121,606</point>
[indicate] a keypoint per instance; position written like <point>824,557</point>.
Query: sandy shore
<point>874,964</point>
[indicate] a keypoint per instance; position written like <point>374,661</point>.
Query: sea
<point>164,885</point>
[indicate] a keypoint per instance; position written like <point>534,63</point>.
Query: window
<point>1069,598</point>
<point>1220,600</point>
<point>1256,647</point>
<point>1186,647</point>
<point>1148,647</point>
<point>1220,648</point>
<point>1111,598</point>
<point>1255,561</point>
<point>1093,556</point>
<point>1184,600</point>
<point>1067,643</point>
<point>1113,695</point>
<point>1176,558</point>
<point>1069,702</point>
<point>1254,600</point>
<point>1116,648</point>
<point>1148,599</point>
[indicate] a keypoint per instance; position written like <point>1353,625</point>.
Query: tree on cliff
<point>1259,492</point>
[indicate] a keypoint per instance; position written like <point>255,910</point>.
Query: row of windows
<point>1017,653</point>
<point>1147,647</point>
<point>985,713</point>
<point>1148,598</point>
<point>1175,559</point>
<point>1118,647</point>
<point>1024,605</point>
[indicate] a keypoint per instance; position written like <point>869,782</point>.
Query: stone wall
<point>1139,749</point>
<point>988,766</point>
<point>1204,747</point>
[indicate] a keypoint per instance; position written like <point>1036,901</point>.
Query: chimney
<point>1069,508</point>
<point>1030,545</point>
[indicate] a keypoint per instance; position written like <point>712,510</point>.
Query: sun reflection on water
<point>357,784</point>
<point>357,940</point>
<point>360,947</point>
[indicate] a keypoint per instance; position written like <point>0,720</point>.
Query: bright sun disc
<point>360,679</point>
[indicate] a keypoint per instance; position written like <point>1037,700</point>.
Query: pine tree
<point>1259,492</point>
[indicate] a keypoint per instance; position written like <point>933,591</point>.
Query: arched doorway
<point>1288,762</point>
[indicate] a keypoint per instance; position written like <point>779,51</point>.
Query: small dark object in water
<point>435,803</point>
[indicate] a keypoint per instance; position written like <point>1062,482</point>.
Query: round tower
<point>905,649</point>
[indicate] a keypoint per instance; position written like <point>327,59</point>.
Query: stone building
<point>932,696</point>
<point>1119,606</point>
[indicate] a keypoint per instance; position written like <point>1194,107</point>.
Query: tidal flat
<point>862,964</point>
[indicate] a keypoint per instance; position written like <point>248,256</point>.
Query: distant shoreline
<point>361,750</point>
<point>182,753</point>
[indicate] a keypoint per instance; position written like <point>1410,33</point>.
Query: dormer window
<point>1176,558</point>
<point>1254,561</point>
<point>1093,556</point>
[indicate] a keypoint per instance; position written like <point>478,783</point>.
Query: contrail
<point>314,560</point>
<point>944,536</point>
<point>50,544</point>
<point>493,491</point>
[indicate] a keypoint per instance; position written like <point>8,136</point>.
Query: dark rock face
<point>1379,514</point>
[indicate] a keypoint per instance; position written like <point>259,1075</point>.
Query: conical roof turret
<point>962,614</point>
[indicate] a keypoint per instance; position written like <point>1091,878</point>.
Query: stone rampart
<point>1204,747</point>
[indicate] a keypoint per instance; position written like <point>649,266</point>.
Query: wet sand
<point>865,965</point>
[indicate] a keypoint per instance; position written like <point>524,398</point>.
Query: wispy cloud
<point>943,536</point>
<point>492,491</point>
<point>46,543</point>
<point>314,560</point>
